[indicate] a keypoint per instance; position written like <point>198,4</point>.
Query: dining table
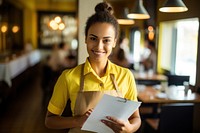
<point>155,97</point>
<point>149,78</point>
<point>11,68</point>
<point>153,94</point>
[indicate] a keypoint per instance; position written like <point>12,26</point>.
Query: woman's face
<point>100,41</point>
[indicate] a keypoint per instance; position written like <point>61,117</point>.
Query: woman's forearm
<point>59,122</point>
<point>135,121</point>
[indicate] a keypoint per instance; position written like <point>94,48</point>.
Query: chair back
<point>176,118</point>
<point>177,79</point>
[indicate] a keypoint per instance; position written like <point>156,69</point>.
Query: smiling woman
<point>85,84</point>
<point>100,44</point>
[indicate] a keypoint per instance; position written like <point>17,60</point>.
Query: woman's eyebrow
<point>93,35</point>
<point>103,37</point>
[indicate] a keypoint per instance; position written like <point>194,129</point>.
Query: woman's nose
<point>100,44</point>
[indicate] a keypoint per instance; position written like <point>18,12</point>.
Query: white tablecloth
<point>13,68</point>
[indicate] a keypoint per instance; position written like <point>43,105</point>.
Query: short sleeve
<point>132,90</point>
<point>59,97</point>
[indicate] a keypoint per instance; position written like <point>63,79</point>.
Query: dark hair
<point>121,54</point>
<point>103,13</point>
<point>121,37</point>
<point>61,45</point>
<point>152,43</point>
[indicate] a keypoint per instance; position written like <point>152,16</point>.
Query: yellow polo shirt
<point>68,85</point>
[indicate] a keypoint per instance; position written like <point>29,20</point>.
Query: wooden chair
<point>174,118</point>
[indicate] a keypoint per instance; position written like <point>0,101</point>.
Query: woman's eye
<point>107,41</point>
<point>93,38</point>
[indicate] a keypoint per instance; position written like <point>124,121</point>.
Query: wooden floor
<point>25,112</point>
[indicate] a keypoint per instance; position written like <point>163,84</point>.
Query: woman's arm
<point>59,122</point>
<point>129,126</point>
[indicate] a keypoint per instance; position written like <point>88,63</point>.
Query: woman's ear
<point>114,44</point>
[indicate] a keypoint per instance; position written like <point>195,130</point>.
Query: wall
<point>83,13</point>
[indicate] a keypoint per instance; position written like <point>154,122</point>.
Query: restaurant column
<point>85,9</point>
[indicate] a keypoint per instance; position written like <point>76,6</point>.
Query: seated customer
<point>58,59</point>
<point>149,63</point>
<point>120,53</point>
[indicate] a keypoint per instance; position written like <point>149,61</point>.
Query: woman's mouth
<point>98,52</point>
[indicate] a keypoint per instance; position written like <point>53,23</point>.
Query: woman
<point>85,84</point>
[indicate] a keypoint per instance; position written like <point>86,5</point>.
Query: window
<point>135,47</point>
<point>178,42</point>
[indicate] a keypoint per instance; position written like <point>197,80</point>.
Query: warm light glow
<point>125,21</point>
<point>57,24</point>
<point>138,16</point>
<point>138,12</point>
<point>4,28</point>
<point>173,6</point>
<point>15,29</point>
<point>151,35</point>
<point>173,9</point>
<point>61,26</point>
<point>150,28</point>
<point>53,25</point>
<point>57,19</point>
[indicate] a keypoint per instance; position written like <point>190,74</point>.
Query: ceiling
<point>71,6</point>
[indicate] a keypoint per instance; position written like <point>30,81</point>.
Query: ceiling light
<point>123,19</point>
<point>173,6</point>
<point>138,12</point>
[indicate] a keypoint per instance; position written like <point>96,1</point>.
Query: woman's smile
<point>99,52</point>
<point>100,41</point>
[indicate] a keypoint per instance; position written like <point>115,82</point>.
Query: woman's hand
<point>118,126</point>
<point>81,119</point>
<point>59,122</point>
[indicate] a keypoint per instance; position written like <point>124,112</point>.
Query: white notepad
<point>109,106</point>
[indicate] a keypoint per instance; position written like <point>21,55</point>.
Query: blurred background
<point>41,38</point>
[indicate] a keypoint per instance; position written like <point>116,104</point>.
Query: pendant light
<point>123,19</point>
<point>173,6</point>
<point>138,12</point>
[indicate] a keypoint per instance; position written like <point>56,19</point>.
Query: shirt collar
<point>88,69</point>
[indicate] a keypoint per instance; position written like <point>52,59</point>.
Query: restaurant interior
<point>32,30</point>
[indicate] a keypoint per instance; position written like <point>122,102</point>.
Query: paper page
<point>109,106</point>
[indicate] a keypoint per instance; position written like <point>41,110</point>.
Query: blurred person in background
<point>57,60</point>
<point>55,63</point>
<point>120,55</point>
<point>149,62</point>
<point>28,47</point>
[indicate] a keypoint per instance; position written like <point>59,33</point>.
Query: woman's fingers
<point>89,112</point>
<point>115,124</point>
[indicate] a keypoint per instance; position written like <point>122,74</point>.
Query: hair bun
<point>104,7</point>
